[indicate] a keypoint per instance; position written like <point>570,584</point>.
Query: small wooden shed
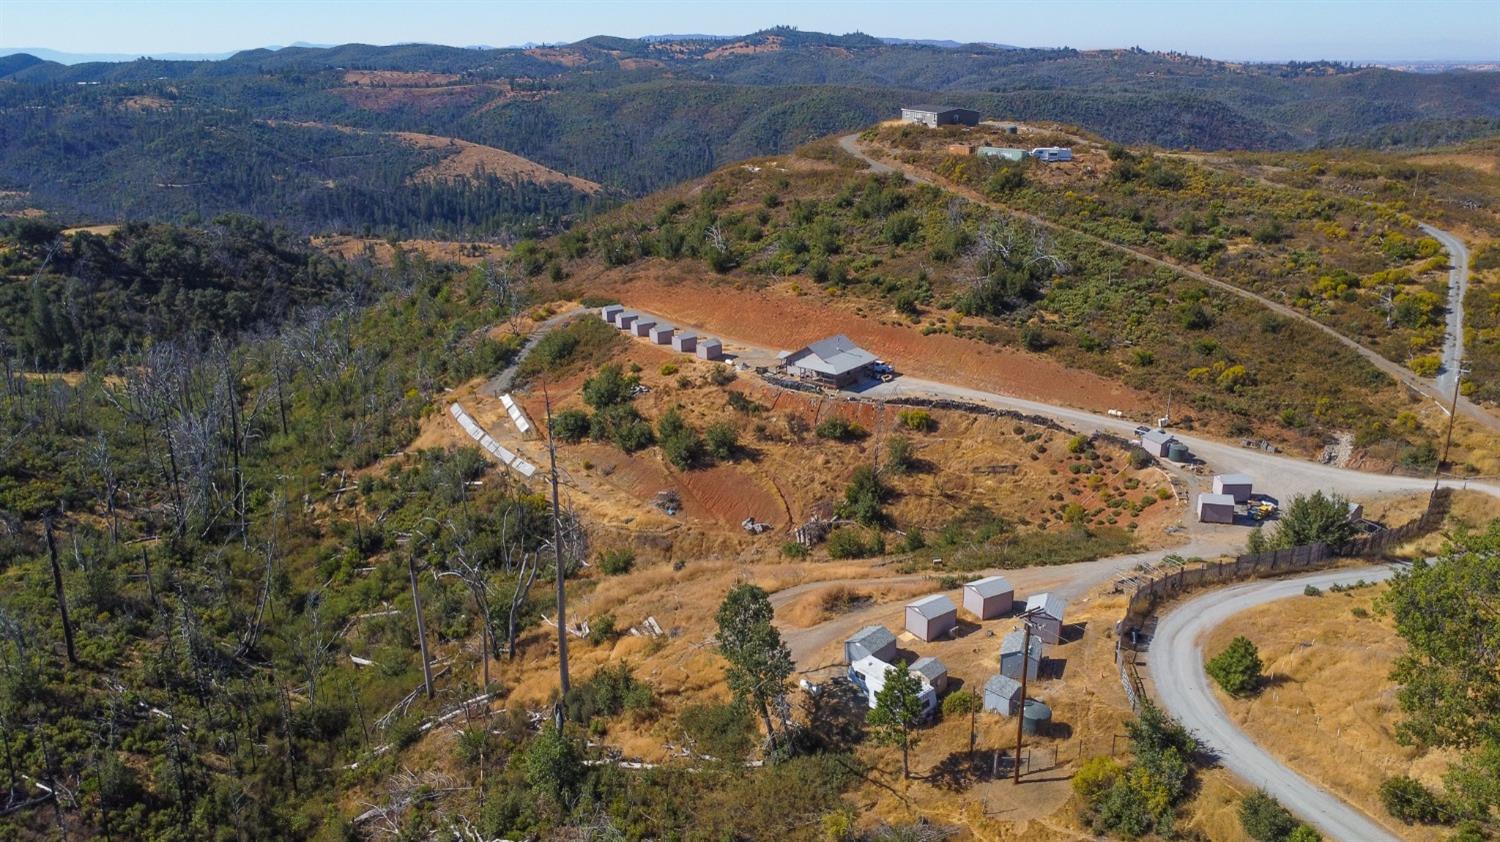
<point>932,671</point>
<point>1238,486</point>
<point>1215,508</point>
<point>1010,655</point>
<point>931,617</point>
<point>989,597</point>
<point>871,642</point>
<point>1002,695</point>
<point>1047,623</point>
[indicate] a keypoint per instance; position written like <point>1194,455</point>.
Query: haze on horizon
<point>1271,30</point>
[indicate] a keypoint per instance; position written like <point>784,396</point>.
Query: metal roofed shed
<point>1215,508</point>
<point>1002,695</point>
<point>933,116</point>
<point>662,334</point>
<point>609,311</point>
<point>871,642</point>
<point>686,342</point>
<point>1047,623</point>
<point>624,320</point>
<point>989,597</point>
<point>931,617</point>
<point>1010,655</point>
<point>642,326</point>
<point>1156,442</point>
<point>835,360</point>
<point>710,348</point>
<point>932,671</point>
<point>1238,486</point>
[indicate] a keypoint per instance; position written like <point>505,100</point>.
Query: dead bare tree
<point>416,599</point>
<point>57,587</point>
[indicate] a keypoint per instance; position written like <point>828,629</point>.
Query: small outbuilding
<point>933,116</point>
<point>626,319</point>
<point>1002,695</point>
<point>932,671</point>
<point>710,348</point>
<point>1052,154</point>
<point>1048,620</point>
<point>1157,442</point>
<point>1010,655</point>
<point>960,149</point>
<point>1356,512</point>
<point>642,326</point>
<point>1238,486</point>
<point>989,597</point>
<point>685,342</point>
<point>931,617</point>
<point>868,674</point>
<point>662,334</point>
<point>871,642</point>
<point>609,311</point>
<point>1215,508</point>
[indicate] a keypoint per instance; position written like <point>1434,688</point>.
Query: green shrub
<point>739,403</point>
<point>900,456</point>
<point>863,497</point>
<point>960,703</point>
<point>609,692</point>
<point>723,731</point>
<point>839,430</point>
<point>602,629</point>
<point>668,369</point>
<point>794,549</point>
<point>917,420</point>
<point>570,425</point>
<point>1312,590</point>
<point>722,441</point>
<point>1264,819</point>
<point>852,542</point>
<point>1078,444</point>
<point>1096,776</point>
<point>609,387</point>
<point>1237,669</point>
<point>617,561</point>
<point>1407,800</point>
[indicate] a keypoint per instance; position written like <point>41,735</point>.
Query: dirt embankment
<point>463,159</point>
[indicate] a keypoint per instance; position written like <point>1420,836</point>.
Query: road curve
<point>1400,373</point>
<point>1176,664</point>
<point>1458,287</point>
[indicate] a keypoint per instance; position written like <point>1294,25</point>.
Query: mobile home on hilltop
<point>933,116</point>
<point>868,674</point>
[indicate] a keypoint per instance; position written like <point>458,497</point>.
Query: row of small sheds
<point>661,333</point>
<point>935,616</point>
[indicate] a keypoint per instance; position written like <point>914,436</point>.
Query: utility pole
<point>1025,671</point>
<point>1437,474</point>
<point>562,593</point>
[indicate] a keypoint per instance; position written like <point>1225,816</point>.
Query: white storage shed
<point>662,334</point>
<point>1047,623</point>
<point>989,597</point>
<point>1002,695</point>
<point>686,342</point>
<point>1215,508</point>
<point>931,617</point>
<point>932,671</point>
<point>1238,486</point>
<point>1010,655</point>
<point>710,348</point>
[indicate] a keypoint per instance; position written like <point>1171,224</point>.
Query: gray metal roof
<point>1011,644</point>
<point>934,109</point>
<point>686,334</point>
<point>1003,686</point>
<point>1235,479</point>
<point>835,355</point>
<point>1051,604</point>
<point>709,340</point>
<point>873,637</point>
<point>1157,436</point>
<point>934,606</point>
<point>1215,499</point>
<point>991,586</point>
<point>929,668</point>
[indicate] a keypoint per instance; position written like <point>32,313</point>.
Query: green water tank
<point>1177,452</point>
<point>1036,717</point>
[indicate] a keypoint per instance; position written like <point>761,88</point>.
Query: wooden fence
<point>1148,590</point>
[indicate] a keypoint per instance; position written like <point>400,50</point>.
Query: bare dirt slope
<point>464,159</point>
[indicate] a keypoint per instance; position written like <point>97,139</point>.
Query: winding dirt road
<point>1400,373</point>
<point>1176,660</point>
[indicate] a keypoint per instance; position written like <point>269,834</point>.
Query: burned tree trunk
<point>62,597</point>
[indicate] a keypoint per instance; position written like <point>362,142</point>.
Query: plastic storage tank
<point>1036,718</point>
<point>1177,452</point>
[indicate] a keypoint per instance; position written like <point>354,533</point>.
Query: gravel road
<point>1176,661</point>
<point>1458,286</point>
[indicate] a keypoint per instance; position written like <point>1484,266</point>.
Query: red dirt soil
<point>777,319</point>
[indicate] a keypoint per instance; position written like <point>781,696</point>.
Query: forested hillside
<point>183,140</point>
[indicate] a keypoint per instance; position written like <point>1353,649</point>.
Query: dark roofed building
<point>933,116</point>
<point>836,361</point>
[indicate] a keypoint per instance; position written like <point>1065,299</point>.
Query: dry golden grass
<point>466,159</point>
<point>1330,710</point>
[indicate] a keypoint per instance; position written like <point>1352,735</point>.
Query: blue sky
<point>1352,30</point>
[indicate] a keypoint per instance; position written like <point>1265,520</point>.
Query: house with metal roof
<point>989,597</point>
<point>871,641</point>
<point>931,617</point>
<point>1047,622</point>
<point>933,116</point>
<point>1002,695</point>
<point>932,671</point>
<point>835,361</point>
<point>1010,655</point>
